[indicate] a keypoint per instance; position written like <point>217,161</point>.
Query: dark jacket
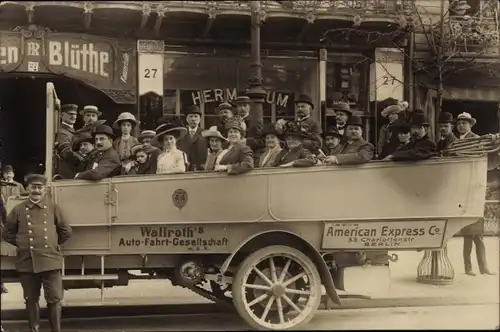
<point>196,149</point>
<point>101,164</point>
<point>299,156</point>
<point>37,230</point>
<point>67,160</point>
<point>417,149</point>
<point>355,153</point>
<point>314,141</point>
<point>240,157</point>
<point>443,144</point>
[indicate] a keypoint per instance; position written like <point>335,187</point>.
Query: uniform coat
<point>101,164</point>
<point>196,149</point>
<point>268,158</point>
<point>240,157</point>
<point>443,143</point>
<point>355,153</point>
<point>300,157</point>
<point>37,230</point>
<point>314,141</point>
<point>67,159</point>
<point>418,149</point>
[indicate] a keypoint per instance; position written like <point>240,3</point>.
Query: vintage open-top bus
<point>266,241</point>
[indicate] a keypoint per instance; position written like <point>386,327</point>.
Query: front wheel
<point>277,288</point>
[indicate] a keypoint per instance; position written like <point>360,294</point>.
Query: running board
<point>91,277</point>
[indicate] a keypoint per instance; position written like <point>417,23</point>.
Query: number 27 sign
<point>150,73</point>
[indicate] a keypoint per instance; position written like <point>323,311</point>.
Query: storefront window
<point>207,81</point>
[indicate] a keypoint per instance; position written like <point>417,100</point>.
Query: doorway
<point>22,117</point>
<point>485,112</point>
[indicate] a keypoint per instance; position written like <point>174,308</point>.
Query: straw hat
<point>125,116</point>
<point>242,100</point>
<point>90,109</point>
<point>224,106</point>
<point>467,117</point>
<point>213,132</point>
<point>147,134</point>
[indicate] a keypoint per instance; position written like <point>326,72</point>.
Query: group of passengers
<point>97,150</point>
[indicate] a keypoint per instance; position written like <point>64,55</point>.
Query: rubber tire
<point>247,263</point>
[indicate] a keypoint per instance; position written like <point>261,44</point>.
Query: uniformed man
<point>37,228</point>
<point>67,159</point>
<point>225,111</point>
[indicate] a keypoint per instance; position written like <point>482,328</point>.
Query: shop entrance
<point>485,112</point>
<point>22,117</point>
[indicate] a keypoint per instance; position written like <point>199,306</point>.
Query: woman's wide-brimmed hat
<point>168,129</point>
<point>242,100</point>
<point>224,106</point>
<point>418,120</point>
<point>125,116</point>
<point>80,138</point>
<point>193,109</point>
<point>213,132</point>
<point>445,117</point>
<point>467,117</point>
<point>400,126</point>
<point>355,121</point>
<point>341,106</point>
<point>90,109</point>
<point>332,132</point>
<point>293,129</point>
<point>391,109</point>
<point>235,123</point>
<point>304,99</point>
<point>136,148</point>
<point>104,129</point>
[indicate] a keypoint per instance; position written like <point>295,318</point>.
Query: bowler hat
<point>69,107</point>
<point>7,168</point>
<point>445,117</point>
<point>125,116</point>
<point>304,99</point>
<point>36,178</point>
<point>418,120</point>
<point>168,128</point>
<point>103,129</point>
<point>400,126</point>
<point>341,106</point>
<point>193,109</point>
<point>242,100</point>
<point>355,121</point>
<point>331,132</point>
<point>90,109</point>
<point>80,138</point>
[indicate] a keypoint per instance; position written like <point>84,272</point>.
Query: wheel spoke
<point>280,310</point>
<point>263,276</point>
<point>259,287</point>
<point>267,308</point>
<point>291,304</point>
<point>284,271</point>
<point>274,276</point>
<point>296,291</point>
<point>258,300</point>
<point>294,279</point>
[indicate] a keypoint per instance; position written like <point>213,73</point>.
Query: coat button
<point>27,216</point>
<point>45,222</point>
<point>45,206</point>
<point>29,224</point>
<point>31,247</point>
<point>30,231</point>
<point>46,237</point>
<point>31,239</point>
<point>46,246</point>
<point>27,209</point>
<point>45,229</point>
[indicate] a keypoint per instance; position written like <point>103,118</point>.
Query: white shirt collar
<point>67,124</point>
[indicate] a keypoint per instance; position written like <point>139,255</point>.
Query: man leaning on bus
<point>37,229</point>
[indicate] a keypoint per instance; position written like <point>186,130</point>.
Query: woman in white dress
<point>170,159</point>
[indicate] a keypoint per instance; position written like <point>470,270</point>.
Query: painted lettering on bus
<point>228,94</point>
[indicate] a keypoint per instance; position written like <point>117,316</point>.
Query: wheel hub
<point>278,290</point>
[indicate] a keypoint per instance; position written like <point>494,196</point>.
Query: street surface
<point>469,303</point>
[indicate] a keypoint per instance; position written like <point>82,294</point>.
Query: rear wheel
<point>277,288</point>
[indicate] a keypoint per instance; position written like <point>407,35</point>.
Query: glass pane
<point>188,98</point>
<point>211,120</point>
<point>169,101</point>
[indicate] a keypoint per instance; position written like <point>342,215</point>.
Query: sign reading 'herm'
<point>384,235</point>
<point>101,62</point>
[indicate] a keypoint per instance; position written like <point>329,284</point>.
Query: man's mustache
<point>99,145</point>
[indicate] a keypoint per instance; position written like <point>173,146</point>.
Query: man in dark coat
<point>342,115</point>
<point>331,144</point>
<point>66,159</point>
<point>37,228</point>
<point>295,154</point>
<point>354,150</point>
<point>193,143</point>
<point>420,147</point>
<point>103,161</point>
<point>465,122</point>
<point>445,123</point>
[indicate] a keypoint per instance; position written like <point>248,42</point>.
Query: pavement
<point>404,289</point>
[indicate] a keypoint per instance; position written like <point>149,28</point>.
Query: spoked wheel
<point>277,288</point>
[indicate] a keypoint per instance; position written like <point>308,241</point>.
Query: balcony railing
<point>474,34</point>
